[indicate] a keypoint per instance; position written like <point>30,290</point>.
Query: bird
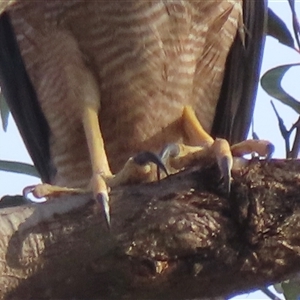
<point>94,85</point>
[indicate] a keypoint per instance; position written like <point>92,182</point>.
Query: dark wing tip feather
<point>22,100</point>
<point>237,98</point>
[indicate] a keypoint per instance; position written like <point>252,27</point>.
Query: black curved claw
<point>145,157</point>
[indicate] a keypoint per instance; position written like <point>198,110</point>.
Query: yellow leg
<point>192,127</point>
<point>98,157</point>
<point>95,141</point>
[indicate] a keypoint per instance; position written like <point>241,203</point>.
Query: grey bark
<point>180,238</point>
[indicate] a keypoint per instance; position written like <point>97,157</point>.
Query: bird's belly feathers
<point>149,59</point>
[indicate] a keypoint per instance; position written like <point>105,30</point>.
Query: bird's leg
<point>136,169</point>
<point>100,167</point>
<point>89,106</point>
<point>193,129</point>
<point>180,155</point>
<point>140,168</point>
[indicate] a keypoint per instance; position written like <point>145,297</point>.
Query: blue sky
<point>265,122</point>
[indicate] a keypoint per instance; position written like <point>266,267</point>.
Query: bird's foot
<point>97,185</point>
<point>99,189</point>
<point>144,167</point>
<point>180,156</point>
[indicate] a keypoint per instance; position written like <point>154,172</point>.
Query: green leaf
<point>4,111</point>
<point>18,167</point>
<point>296,25</point>
<point>271,83</point>
<point>278,288</point>
<point>291,289</point>
<point>277,29</point>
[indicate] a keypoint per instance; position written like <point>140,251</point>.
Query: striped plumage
<point>147,58</point>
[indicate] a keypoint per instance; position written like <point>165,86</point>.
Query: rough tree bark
<point>175,239</point>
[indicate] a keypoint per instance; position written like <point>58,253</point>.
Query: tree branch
<point>174,239</point>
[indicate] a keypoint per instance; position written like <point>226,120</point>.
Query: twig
<point>296,145</point>
<point>271,295</point>
<point>296,26</point>
<point>284,132</point>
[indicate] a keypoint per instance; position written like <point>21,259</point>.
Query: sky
<point>265,122</point>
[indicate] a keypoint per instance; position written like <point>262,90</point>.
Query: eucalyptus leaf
<point>296,25</point>
<point>277,29</point>
<point>292,4</point>
<point>278,288</point>
<point>271,83</point>
<point>4,112</point>
<point>18,167</point>
<point>291,289</point>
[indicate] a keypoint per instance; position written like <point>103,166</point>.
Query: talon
<point>103,200</point>
<point>171,150</point>
<point>146,157</point>
<point>225,166</point>
<point>223,154</point>
<point>28,190</point>
<point>100,192</point>
<point>270,151</point>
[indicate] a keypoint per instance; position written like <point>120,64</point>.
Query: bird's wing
<point>17,89</point>
<point>237,98</point>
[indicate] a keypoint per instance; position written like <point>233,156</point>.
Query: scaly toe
<point>261,147</point>
<point>48,190</point>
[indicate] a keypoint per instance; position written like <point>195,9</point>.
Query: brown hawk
<point>92,83</point>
